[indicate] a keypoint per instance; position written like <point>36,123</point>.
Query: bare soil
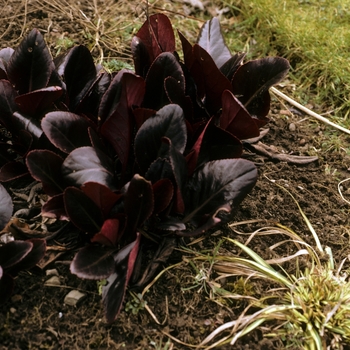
<point>37,318</point>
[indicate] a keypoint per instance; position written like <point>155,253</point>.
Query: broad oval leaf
<point>103,196</point>
<point>109,234</point>
<point>117,113</point>
<point>210,81</point>
<point>38,100</point>
<point>13,252</point>
<point>211,39</point>
<point>93,262</point>
<point>31,64</point>
<point>36,253</point>
<point>67,131</point>
<point>157,35</point>
<point>54,208</point>
<point>12,170</point>
<point>138,202</point>
<point>82,211</point>
<point>253,79</point>
<point>230,67</point>
<point>6,207</point>
<point>79,74</point>
<point>45,166</point>
<point>168,122</point>
<point>114,292</point>
<point>86,164</point>
<point>236,119</point>
<point>217,184</point>
<point>164,66</point>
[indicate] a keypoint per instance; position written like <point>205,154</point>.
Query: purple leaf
<point>12,170</point>
<point>82,211</point>
<point>38,100</point>
<point>36,253</point>
<point>109,234</point>
<point>163,192</point>
<point>31,64</point>
<point>236,119</point>
<point>54,208</point>
<point>3,74</point>
<point>179,169</point>
<point>176,94</point>
<point>211,83</point>
<point>126,91</point>
<point>215,185</point>
<point>7,104</point>
<point>168,122</point>
<point>102,196</point>
<point>230,67</point>
<point>157,35</point>
<point>45,166</point>
<point>142,114</point>
<point>67,131</point>
<point>138,202</point>
<point>88,164</point>
<point>141,57</point>
<point>79,74</point>
<point>93,262</point>
<point>13,252</point>
<point>213,143</point>
<point>252,81</point>
<point>6,207</point>
<point>6,53</point>
<point>164,66</point>
<point>114,292</point>
<point>211,39</point>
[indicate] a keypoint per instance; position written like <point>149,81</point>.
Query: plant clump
<point>137,156</point>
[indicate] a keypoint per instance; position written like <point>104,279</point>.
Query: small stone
<point>12,310</point>
<point>74,297</point>
<point>292,127</point>
<point>302,142</point>
<point>52,272</point>
<point>54,281</point>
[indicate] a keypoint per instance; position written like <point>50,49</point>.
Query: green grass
<point>313,35</point>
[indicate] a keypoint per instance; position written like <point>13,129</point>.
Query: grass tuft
<point>313,35</point>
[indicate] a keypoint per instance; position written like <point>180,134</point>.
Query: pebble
<point>302,142</point>
<point>12,310</point>
<point>292,127</point>
<point>54,280</point>
<point>74,297</point>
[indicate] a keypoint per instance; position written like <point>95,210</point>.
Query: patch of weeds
<point>136,304</point>
<point>100,285</point>
<point>310,307</point>
<point>63,44</point>
<point>115,65</point>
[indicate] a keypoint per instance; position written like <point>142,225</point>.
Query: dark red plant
<point>142,154</point>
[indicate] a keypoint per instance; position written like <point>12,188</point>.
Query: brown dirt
<point>37,318</point>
